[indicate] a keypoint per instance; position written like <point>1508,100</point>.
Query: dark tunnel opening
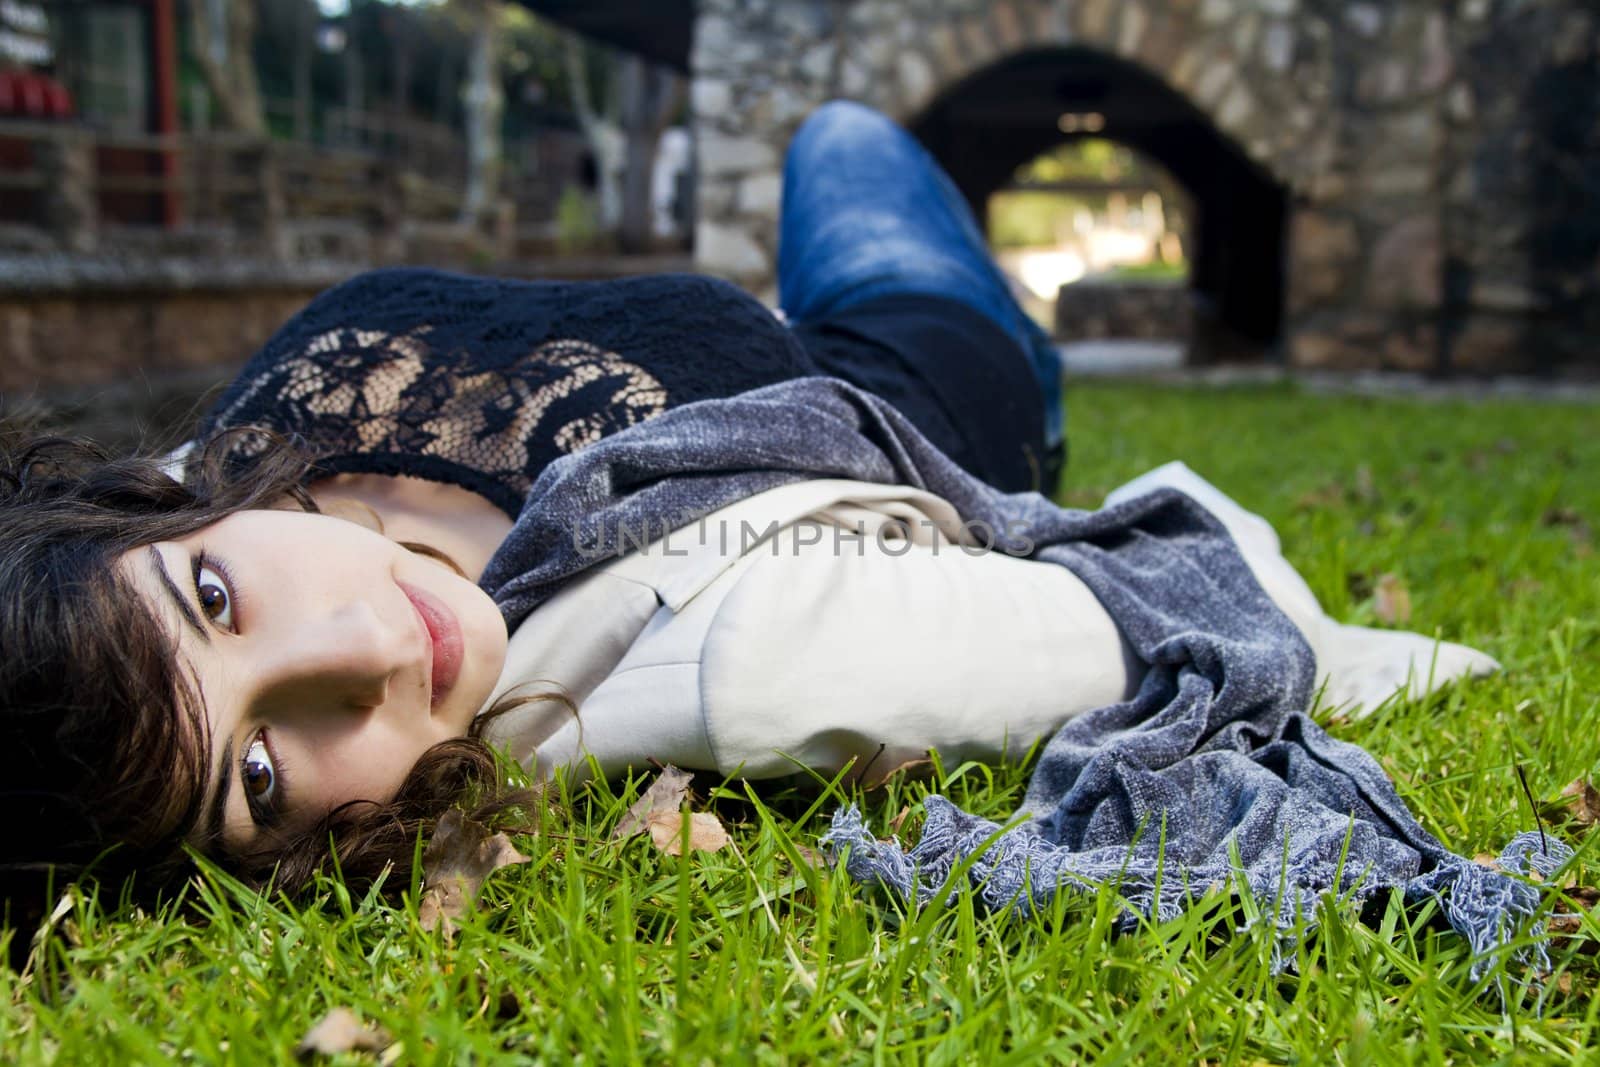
<point>986,126</point>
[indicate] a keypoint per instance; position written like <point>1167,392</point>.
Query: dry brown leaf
<point>1332,495</point>
<point>911,768</point>
<point>1569,928</point>
<point>810,856</point>
<point>1582,802</point>
<point>341,1030</point>
<point>706,833</point>
<point>1489,860</point>
<point>666,794</point>
<point>1565,925</point>
<point>462,853</point>
<point>1391,601</point>
<point>899,820</point>
<point>1584,896</point>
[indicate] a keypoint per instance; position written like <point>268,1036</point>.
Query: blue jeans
<point>867,213</point>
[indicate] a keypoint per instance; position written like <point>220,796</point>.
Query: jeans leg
<point>868,213</point>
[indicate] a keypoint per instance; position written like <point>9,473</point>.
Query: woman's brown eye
<point>213,600</point>
<point>255,771</point>
<point>211,589</point>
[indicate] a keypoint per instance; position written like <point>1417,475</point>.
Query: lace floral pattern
<point>396,398</point>
<point>482,383</point>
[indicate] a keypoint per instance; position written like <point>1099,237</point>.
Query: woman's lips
<point>444,634</point>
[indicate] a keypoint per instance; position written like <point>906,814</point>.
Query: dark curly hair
<point>102,737</point>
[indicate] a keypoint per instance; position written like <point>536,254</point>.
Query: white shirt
<point>857,622</point>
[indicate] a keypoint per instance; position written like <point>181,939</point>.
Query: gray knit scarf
<point>1211,775</point>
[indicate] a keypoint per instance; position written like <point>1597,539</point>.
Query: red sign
<point>24,94</point>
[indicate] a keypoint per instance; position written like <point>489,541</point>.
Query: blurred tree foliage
<point>1084,159</point>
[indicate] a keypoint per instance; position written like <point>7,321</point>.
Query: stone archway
<point>1226,94</point>
<point>1262,74</point>
<point>991,122</point>
<point>1394,129</point>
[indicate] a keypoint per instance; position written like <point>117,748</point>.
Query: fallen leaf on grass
<point>341,1031</point>
<point>1331,496</point>
<point>1570,928</point>
<point>461,855</point>
<point>706,833</point>
<point>1565,925</point>
<point>1563,984</point>
<point>1391,601</point>
<point>1582,802</point>
<point>810,856</point>
<point>1585,896</point>
<point>666,793</point>
<point>899,820</point>
<point>911,768</point>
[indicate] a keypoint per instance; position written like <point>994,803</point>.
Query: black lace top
<point>482,382</point>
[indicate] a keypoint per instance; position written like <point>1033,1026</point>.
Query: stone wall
<point>70,322</point>
<point>1443,160</point>
<point>1148,311</point>
<point>124,352</point>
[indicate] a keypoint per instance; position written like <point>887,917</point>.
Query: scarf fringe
<point>1020,869</point>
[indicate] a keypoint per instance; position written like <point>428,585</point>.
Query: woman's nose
<point>350,657</point>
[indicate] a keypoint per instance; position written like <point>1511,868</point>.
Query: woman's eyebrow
<point>179,598</point>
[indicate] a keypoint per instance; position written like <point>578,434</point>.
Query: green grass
<point>620,953</point>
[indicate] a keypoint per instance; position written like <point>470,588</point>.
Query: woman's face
<point>328,658</point>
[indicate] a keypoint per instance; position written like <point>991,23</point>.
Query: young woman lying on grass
<point>724,541</point>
